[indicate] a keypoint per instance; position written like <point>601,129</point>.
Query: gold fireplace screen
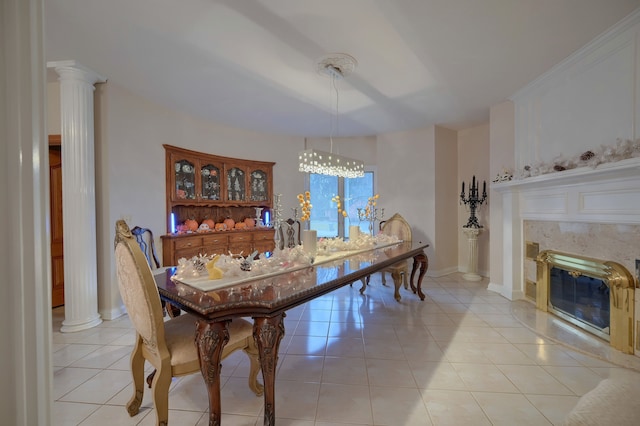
<point>614,275</point>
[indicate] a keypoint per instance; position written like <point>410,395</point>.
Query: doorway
<point>55,197</point>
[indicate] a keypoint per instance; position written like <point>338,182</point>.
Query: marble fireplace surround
<point>593,212</point>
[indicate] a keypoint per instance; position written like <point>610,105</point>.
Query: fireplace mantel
<point>629,168</point>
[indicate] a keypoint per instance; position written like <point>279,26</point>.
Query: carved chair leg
<point>150,378</point>
<point>173,311</point>
<point>364,284</point>
<point>254,360</point>
<point>160,392</point>
<point>137,371</point>
<point>397,282</point>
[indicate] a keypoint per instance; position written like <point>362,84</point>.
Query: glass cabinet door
<point>185,180</point>
<point>210,175</point>
<point>259,187</point>
<point>236,190</point>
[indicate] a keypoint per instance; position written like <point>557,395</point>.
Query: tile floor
<point>463,356</point>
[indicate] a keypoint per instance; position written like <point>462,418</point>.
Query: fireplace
<point>595,295</point>
<point>591,213</point>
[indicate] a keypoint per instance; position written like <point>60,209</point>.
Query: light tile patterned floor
<point>460,357</point>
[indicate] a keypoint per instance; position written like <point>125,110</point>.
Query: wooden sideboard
<point>203,186</point>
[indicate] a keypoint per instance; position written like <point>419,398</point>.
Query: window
<point>354,193</point>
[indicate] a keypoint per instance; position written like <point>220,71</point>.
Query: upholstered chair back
<point>398,227</point>
<point>139,292</point>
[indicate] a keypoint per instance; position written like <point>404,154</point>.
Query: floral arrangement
<point>336,200</point>
<point>371,205</point>
<point>305,205</point>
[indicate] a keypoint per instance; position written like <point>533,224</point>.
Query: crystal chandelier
<point>326,163</point>
<point>336,66</point>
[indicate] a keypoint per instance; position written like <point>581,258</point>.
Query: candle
<point>309,242</point>
<point>463,187</point>
<point>354,232</point>
<point>484,187</point>
<point>473,182</point>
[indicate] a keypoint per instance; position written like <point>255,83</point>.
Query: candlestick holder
<point>474,200</point>
<point>277,211</point>
<point>276,219</point>
<point>258,216</point>
<point>370,214</point>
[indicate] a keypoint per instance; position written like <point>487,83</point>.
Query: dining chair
<point>397,226</point>
<point>289,233</point>
<point>144,238</point>
<point>167,345</point>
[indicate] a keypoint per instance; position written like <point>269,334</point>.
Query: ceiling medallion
<point>337,64</point>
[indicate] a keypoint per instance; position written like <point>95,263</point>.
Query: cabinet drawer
<point>264,246</point>
<point>215,249</point>
<point>263,235</point>
<point>237,248</point>
<point>187,243</point>
<point>188,253</point>
<point>240,237</point>
<point>214,240</point>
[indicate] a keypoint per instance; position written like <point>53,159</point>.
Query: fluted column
<point>78,195</point>
<point>472,267</point>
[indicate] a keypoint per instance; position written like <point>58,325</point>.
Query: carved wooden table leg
<point>211,336</point>
<point>397,283</point>
<point>268,332</point>
<point>424,264</point>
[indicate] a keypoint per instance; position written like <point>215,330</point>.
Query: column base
<point>472,277</point>
<point>73,326</point>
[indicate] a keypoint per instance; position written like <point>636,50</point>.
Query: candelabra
<point>473,201</point>
<point>370,214</point>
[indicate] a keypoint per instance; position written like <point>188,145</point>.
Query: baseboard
<point>495,287</point>
<point>499,288</point>
<point>441,272</point>
<point>111,314</point>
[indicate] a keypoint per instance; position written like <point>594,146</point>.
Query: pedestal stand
<point>472,268</point>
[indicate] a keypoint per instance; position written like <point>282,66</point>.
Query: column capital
<point>73,70</point>
<point>472,232</point>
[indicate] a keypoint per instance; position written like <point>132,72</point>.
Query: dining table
<point>266,299</point>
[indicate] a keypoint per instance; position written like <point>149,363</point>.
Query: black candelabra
<point>473,201</point>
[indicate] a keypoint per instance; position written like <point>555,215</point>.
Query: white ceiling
<point>252,63</point>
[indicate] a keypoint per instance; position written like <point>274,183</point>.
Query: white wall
<point>406,182</point>
<point>446,201</point>
<point>586,101</point>
<point>54,126</point>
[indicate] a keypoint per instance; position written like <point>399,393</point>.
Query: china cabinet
<point>210,188</point>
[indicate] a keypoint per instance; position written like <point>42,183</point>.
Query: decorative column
<point>472,267</point>
<point>78,195</point>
